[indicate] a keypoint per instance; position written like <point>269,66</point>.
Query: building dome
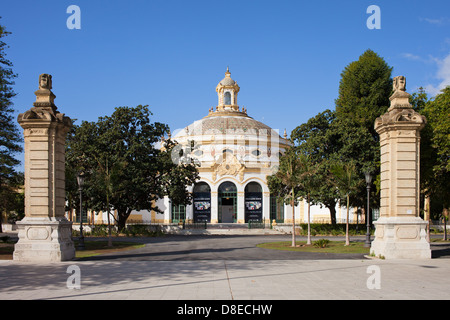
<point>229,129</point>
<point>226,123</point>
<point>234,153</point>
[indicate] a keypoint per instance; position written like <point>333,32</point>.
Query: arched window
<point>201,187</point>
<point>227,97</point>
<point>253,187</point>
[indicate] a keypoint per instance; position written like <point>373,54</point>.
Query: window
<point>178,213</point>
<point>227,97</point>
<point>256,153</point>
<point>276,209</point>
<point>201,187</point>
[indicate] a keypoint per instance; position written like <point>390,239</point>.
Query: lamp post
<point>368,181</point>
<point>80,180</point>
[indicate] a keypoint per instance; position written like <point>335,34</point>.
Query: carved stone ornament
<point>44,107</point>
<point>45,81</point>
<point>230,165</point>
<point>399,83</point>
<point>400,112</point>
<point>398,116</point>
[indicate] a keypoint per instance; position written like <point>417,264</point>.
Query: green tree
<point>126,169</point>
<point>294,179</point>
<point>318,139</point>
<point>346,179</point>
<point>309,182</point>
<point>364,90</point>
<point>12,198</point>
<point>435,153</point>
<point>10,137</point>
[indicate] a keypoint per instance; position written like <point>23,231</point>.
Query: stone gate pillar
<point>400,233</point>
<point>45,235</point>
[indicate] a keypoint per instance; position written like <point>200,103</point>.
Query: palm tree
<point>347,181</point>
<point>308,183</point>
<point>293,178</point>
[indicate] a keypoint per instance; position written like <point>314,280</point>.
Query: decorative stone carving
<point>399,83</point>
<point>45,81</point>
<point>228,165</point>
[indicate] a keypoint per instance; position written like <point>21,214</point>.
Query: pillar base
<point>44,240</point>
<point>401,238</point>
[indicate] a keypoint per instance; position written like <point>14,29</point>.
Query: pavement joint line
<point>228,279</point>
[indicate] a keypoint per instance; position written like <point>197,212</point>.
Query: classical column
<point>45,235</point>
<point>241,207</point>
<point>400,232</point>
<point>266,207</point>
<point>168,210</point>
<point>214,207</point>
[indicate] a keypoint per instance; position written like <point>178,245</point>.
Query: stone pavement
<point>227,279</point>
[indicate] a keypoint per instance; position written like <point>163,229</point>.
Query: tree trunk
<point>121,223</point>
<point>308,242</point>
<point>122,215</point>
<point>427,212</point>
<point>347,239</point>
<point>109,223</point>
<point>332,214</point>
<point>445,229</point>
<point>293,219</point>
<point>445,215</point>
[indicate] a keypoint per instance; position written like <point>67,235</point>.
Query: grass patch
<point>93,248</point>
<point>331,247</point>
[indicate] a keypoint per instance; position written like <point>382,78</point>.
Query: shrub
<point>322,243</point>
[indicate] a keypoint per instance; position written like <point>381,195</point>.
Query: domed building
<point>235,154</point>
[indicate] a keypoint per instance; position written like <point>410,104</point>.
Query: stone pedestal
<point>45,235</point>
<point>400,232</point>
<point>44,240</point>
<point>401,238</point>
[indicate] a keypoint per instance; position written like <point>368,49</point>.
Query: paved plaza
<point>227,268</point>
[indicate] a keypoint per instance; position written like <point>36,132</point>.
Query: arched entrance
<point>202,202</point>
<point>253,202</point>
<point>227,202</point>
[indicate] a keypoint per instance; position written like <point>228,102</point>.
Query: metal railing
<point>195,225</point>
<point>255,224</point>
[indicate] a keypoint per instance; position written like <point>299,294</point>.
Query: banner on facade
<point>253,206</point>
<point>202,207</point>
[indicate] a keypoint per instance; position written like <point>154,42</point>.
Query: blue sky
<point>286,55</point>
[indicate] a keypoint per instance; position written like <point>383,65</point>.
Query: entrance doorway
<point>202,202</point>
<point>227,200</point>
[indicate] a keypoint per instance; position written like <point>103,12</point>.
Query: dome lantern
<point>227,91</point>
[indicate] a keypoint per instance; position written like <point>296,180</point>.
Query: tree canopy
<point>10,137</point>
<point>126,169</point>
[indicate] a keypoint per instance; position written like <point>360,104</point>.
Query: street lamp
<point>368,181</point>
<point>80,180</point>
